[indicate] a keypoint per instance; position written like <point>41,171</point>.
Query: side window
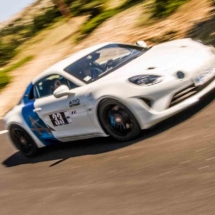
<point>46,86</point>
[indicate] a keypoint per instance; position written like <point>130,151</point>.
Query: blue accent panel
<point>37,126</point>
<point>27,92</point>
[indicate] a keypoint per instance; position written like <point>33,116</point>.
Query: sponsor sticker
<point>87,78</point>
<point>74,102</point>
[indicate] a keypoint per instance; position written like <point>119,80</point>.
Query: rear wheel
<point>117,120</point>
<point>23,141</point>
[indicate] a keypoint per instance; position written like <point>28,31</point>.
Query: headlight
<point>145,79</point>
<point>180,75</point>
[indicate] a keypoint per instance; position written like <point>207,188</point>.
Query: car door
<point>66,116</point>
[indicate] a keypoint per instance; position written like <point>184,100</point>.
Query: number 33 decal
<point>61,118</point>
<point>58,120</point>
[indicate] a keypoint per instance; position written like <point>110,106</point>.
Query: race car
<point>110,89</point>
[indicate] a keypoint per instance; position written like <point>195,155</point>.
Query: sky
<point>8,8</point>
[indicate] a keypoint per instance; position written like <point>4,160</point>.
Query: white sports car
<point>111,89</point>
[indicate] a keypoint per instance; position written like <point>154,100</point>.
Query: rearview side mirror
<point>61,91</point>
<point>141,43</point>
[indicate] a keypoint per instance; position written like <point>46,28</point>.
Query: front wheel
<point>23,141</point>
<point>117,120</point>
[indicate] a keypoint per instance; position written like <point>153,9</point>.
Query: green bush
<point>81,7</point>
<point>39,23</point>
<point>96,21</point>
<point>7,51</point>
<point>130,3</point>
<point>17,65</point>
<point>4,80</point>
<point>28,31</point>
<point>43,20</point>
<point>98,18</point>
<point>166,7</point>
<point>94,8</point>
<point>11,30</point>
<point>20,32</point>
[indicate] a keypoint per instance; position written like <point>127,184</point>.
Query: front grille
<point>187,93</point>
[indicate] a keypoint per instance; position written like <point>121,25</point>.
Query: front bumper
<point>187,92</point>
<point>148,118</point>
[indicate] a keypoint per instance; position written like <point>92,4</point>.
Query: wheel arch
<point>28,130</point>
<point>9,128</point>
<point>117,99</point>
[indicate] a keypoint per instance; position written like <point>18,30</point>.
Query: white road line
<point>53,181</point>
<point>201,150</point>
<point>209,135</point>
<point>165,173</point>
<point>138,147</point>
<point>75,167</point>
<point>77,194</point>
<point>204,167</point>
<point>3,132</point>
<point>185,162</point>
<point>210,159</point>
<point>123,157</point>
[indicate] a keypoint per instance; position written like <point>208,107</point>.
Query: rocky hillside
<point>193,19</point>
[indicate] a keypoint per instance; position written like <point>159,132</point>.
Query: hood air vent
<point>151,68</point>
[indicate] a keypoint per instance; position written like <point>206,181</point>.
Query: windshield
<point>103,61</point>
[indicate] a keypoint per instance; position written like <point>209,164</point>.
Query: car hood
<point>162,59</point>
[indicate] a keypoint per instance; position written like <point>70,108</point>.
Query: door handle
<point>37,109</point>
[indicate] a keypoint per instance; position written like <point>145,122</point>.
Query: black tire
<point>117,120</point>
<point>23,141</point>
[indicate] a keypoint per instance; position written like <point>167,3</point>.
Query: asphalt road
<point>170,169</point>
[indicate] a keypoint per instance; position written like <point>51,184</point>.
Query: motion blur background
<point>48,30</point>
<point>168,170</point>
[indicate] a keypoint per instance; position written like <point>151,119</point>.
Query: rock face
<point>55,43</point>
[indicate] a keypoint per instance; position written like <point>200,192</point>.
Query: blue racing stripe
<point>37,126</point>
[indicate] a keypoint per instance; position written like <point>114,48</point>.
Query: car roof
<point>61,65</point>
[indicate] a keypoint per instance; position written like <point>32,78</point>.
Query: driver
<point>87,70</point>
<point>54,85</point>
<point>57,84</point>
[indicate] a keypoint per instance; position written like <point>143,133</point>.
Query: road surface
<point>170,169</point>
